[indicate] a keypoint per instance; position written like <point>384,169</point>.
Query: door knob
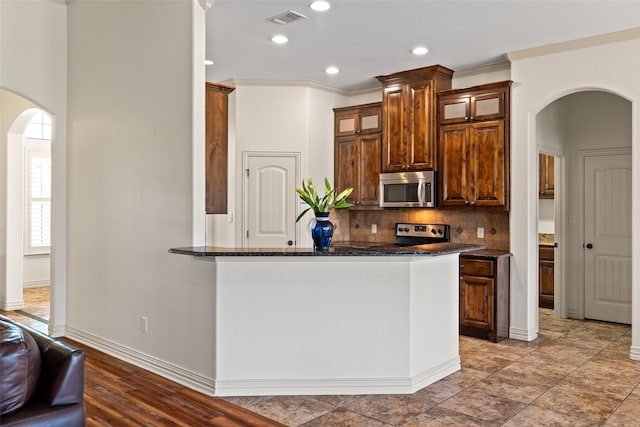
<point>589,246</point>
<point>290,243</point>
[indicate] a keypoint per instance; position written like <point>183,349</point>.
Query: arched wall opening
<point>17,112</point>
<point>539,79</point>
<point>581,124</point>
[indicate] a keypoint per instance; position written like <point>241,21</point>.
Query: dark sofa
<point>58,399</point>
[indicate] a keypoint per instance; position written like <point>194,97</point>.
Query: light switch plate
<point>480,232</point>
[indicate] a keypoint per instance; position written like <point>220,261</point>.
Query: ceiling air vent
<point>286,17</point>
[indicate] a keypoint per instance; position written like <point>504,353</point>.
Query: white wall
<point>538,81</point>
<point>131,128</point>
<point>33,64</point>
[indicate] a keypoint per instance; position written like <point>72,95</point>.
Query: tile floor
<point>577,373</point>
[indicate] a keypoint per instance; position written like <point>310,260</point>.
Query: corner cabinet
<point>473,147</point>
<point>216,150</point>
<point>484,295</point>
<point>357,152</point>
<point>409,117</point>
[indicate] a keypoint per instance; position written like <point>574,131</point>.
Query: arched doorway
<point>586,126</point>
<point>27,210</point>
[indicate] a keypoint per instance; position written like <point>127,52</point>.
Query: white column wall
<point>132,123</point>
<point>538,81</point>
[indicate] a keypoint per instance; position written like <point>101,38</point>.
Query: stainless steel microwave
<point>408,190</point>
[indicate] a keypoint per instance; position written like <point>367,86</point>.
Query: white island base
<point>335,325</point>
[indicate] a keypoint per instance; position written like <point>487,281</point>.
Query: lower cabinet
<point>545,276</point>
<point>484,294</point>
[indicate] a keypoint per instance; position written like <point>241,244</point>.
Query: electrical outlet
<point>143,324</point>
<point>480,232</point>
<point>374,228</point>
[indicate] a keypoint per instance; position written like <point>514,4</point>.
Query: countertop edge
<point>436,249</point>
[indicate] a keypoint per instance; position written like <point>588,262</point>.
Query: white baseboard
<point>315,386</point>
<point>634,353</point>
<point>36,284</point>
<point>12,305</point>
<point>56,331</point>
<point>165,369</point>
<point>522,334</point>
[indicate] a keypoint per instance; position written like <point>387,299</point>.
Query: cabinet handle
<point>472,203</point>
<point>471,118</point>
<point>461,266</point>
<point>466,202</point>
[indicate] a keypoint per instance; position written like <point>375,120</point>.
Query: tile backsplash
<point>355,225</point>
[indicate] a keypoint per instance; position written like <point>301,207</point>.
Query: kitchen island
<point>356,319</point>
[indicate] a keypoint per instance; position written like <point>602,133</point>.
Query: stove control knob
<point>406,229</point>
<point>433,231</point>
<point>439,231</point>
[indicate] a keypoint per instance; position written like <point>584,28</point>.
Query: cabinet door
<point>368,160</point>
<point>487,164</point>
<point>345,168</point>
<point>454,109</point>
<point>545,277</point>
<point>420,126</point>
<point>346,124</point>
<point>546,176</point>
<point>370,120</point>
<point>488,106</point>
<point>394,156</point>
<point>454,173</point>
<point>476,301</point>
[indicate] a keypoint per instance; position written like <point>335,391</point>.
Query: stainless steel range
<point>420,234</point>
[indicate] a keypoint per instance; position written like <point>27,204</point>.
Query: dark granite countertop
<point>336,249</point>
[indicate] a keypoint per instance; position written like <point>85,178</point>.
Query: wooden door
<point>488,106</point>
<point>487,164</point>
<point>370,120</point>
<point>368,169</point>
<point>476,301</point>
<point>345,167</point>
<point>420,126</point>
<point>454,167</point>
<point>454,109</point>
<point>346,123</point>
<point>394,156</point>
<point>270,182</point>
<point>607,237</point>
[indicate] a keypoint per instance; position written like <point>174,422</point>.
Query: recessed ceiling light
<point>320,5</point>
<point>332,70</point>
<point>420,50</point>
<point>208,62</point>
<point>279,39</point>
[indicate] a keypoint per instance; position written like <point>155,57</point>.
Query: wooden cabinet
<point>473,147</point>
<point>546,176</point>
<point>545,276</point>
<point>484,295</point>
<point>357,152</point>
<point>409,117</point>
<point>216,151</point>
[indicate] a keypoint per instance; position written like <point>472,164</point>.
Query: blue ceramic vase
<point>321,231</point>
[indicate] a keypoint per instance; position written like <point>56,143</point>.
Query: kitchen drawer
<point>476,267</point>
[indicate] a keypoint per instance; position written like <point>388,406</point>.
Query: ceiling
<point>369,38</point>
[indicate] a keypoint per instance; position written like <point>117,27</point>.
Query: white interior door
<point>607,234</point>
<point>270,202</point>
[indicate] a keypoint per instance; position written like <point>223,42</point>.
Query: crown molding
<point>297,83</point>
<point>618,36</point>
<point>483,69</point>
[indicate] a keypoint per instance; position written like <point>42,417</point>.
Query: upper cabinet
<point>473,147</point>
<point>489,104</point>
<point>362,119</point>
<point>409,128</point>
<point>216,151</point>
<point>357,152</point>
<point>546,176</point>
